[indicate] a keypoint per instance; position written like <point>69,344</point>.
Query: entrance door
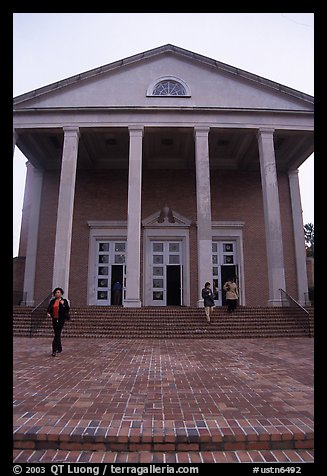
<point>110,267</point>
<point>225,266</point>
<point>166,272</point>
<point>117,279</point>
<point>227,272</point>
<point>173,282</point>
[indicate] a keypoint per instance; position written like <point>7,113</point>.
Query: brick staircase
<point>168,322</point>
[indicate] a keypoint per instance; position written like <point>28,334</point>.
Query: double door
<point>166,273</point>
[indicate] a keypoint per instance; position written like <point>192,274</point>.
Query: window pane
<point>102,295</point>
<point>119,259</point>
<point>120,247</point>
<point>214,247</point>
<point>103,270</point>
<point>157,271</point>
<point>228,247</point>
<point>103,258</point>
<point>158,296</point>
<point>174,247</point>
<point>173,259</point>
<point>157,247</point>
<point>215,271</point>
<point>229,259</point>
<point>157,259</point>
<point>158,283</point>
<point>102,283</point>
<point>103,246</point>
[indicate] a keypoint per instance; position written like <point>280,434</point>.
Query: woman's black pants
<point>57,325</point>
<point>231,304</point>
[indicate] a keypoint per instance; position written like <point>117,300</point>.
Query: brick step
<point>165,323</point>
<point>181,457</point>
<point>164,318</point>
<point>99,321</point>
<point>163,335</point>
<point>192,439</point>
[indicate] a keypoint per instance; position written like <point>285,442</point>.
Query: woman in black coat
<point>58,309</point>
<point>208,300</point>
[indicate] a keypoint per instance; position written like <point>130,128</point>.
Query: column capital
<point>136,130</point>
<point>265,130</point>
<point>293,173</point>
<point>71,130</point>
<point>201,130</point>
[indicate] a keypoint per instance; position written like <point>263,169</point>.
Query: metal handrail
<point>285,297</point>
<point>39,310</point>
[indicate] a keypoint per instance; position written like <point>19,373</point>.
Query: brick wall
<point>310,271</point>
<point>102,195</point>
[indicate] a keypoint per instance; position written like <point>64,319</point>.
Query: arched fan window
<point>169,87</point>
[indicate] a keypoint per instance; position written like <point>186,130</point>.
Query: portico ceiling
<point>164,148</point>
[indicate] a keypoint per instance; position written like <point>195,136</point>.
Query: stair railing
<point>288,301</point>
<point>39,314</point>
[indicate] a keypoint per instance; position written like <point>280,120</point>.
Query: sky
<point>49,47</point>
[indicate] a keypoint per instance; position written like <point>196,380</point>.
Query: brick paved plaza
<point>164,400</point>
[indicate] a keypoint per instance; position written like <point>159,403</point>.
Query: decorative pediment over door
<point>166,217</point>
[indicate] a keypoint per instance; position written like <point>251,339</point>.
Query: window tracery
<point>169,87</point>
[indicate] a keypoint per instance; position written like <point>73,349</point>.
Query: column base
<point>132,303</point>
<point>275,303</point>
<point>200,303</point>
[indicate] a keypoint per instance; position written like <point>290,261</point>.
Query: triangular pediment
<point>125,84</point>
<point>166,217</point>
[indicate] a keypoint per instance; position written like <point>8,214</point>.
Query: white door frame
<point>220,254</point>
<point>107,231</point>
<point>167,235</point>
<point>177,228</point>
<point>163,254</point>
<point>232,231</point>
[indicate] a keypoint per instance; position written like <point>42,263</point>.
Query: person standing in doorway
<point>117,289</point>
<point>58,309</point>
<point>231,294</point>
<point>208,300</point>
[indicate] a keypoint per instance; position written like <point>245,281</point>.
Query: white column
<point>298,230</point>
<point>133,252</point>
<point>203,204</point>
<point>273,227</point>
<point>35,179</point>
<point>61,266</point>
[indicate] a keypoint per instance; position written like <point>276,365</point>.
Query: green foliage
<point>309,238</point>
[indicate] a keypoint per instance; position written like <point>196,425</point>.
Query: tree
<point>309,238</point>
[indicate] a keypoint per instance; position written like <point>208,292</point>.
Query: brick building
<point>163,170</point>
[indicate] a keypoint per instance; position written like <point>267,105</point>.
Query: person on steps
<point>208,301</point>
<point>231,294</point>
